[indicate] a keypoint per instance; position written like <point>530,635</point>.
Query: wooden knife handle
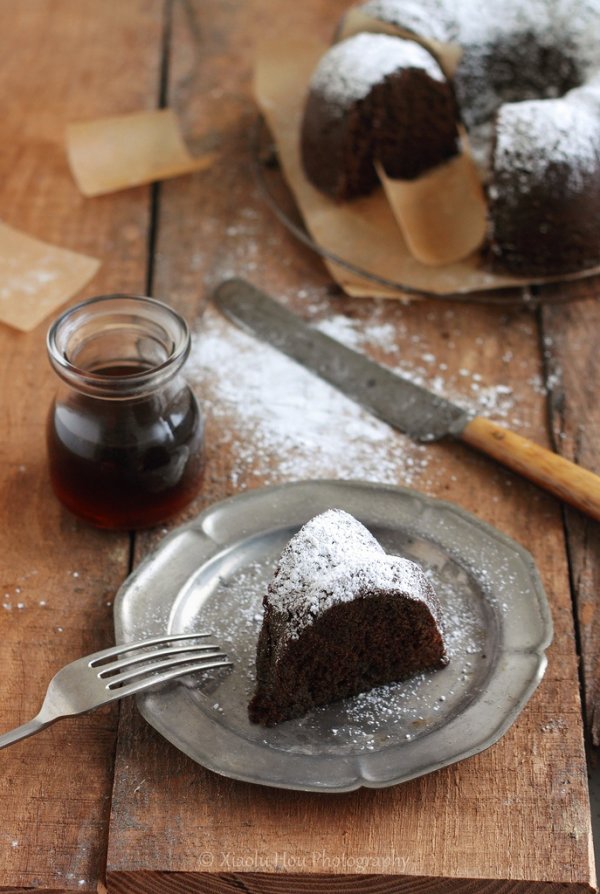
<point>561,477</point>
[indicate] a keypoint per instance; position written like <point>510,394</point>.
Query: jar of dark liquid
<point>125,431</point>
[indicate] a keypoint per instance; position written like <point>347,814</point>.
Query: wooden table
<point>102,800</point>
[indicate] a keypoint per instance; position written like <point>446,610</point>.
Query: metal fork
<point>103,677</point>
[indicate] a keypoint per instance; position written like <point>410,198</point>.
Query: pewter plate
<point>212,573</point>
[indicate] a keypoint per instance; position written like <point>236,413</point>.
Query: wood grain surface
<point>86,805</point>
<point>468,827</point>
<point>571,356</point>
<point>61,62</point>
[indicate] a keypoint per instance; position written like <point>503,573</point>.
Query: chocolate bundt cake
<point>544,200</point>
<point>340,617</point>
<point>376,98</point>
<point>525,78</point>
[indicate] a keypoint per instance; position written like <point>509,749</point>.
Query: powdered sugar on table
<point>279,422</point>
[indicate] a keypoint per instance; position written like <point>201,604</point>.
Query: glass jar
<point>125,431</point>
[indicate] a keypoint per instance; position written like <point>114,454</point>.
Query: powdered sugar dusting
<point>231,607</point>
<point>510,51</point>
<point>288,424</point>
<point>334,559</point>
<point>428,19</point>
<point>539,135</point>
<point>350,69</point>
<point>572,26</point>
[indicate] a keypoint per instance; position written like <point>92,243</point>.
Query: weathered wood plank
<point>263,883</point>
<point>514,818</point>
<point>572,371</point>
<point>61,61</point>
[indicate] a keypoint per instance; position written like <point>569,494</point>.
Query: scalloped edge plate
<point>247,526</point>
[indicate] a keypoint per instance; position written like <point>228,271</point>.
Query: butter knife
<point>412,409</point>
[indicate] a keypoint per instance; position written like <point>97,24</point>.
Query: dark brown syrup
<point>126,463</point>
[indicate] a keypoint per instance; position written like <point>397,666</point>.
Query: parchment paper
<point>109,154</point>
<point>363,231</point>
<point>37,278</point>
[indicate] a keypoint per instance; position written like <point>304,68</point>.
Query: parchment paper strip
<point>37,278</point>
<point>110,154</point>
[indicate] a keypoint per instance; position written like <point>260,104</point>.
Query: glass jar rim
<point>164,319</point>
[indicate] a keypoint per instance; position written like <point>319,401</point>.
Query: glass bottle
<point>125,431</point>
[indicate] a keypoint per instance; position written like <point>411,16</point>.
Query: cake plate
<point>212,573</point>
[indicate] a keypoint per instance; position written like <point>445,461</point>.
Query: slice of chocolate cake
<point>376,98</point>
<point>340,617</point>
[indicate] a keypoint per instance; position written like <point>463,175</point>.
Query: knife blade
<point>408,407</point>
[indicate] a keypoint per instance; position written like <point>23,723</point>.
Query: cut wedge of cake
<point>340,617</point>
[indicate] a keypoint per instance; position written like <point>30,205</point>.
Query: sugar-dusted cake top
<point>333,559</point>
<point>349,70</point>
<point>571,24</point>
<point>567,131</point>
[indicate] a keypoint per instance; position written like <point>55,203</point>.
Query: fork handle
<point>22,732</point>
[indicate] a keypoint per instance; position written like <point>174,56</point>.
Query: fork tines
<point>112,652</point>
<point>150,665</point>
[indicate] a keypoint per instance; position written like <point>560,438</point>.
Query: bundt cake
<point>376,98</point>
<point>525,79</point>
<point>340,617</point>
<point>544,199</point>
